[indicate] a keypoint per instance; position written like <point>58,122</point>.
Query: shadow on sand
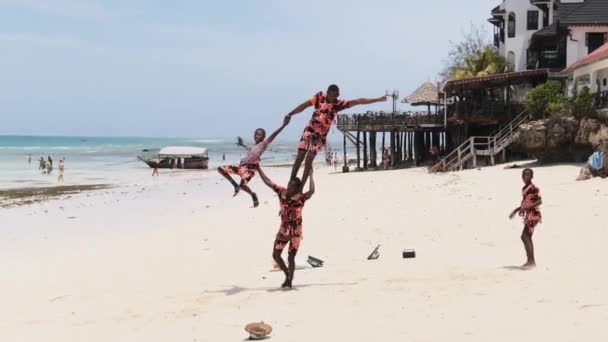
<point>517,268</point>
<point>513,268</point>
<point>237,289</point>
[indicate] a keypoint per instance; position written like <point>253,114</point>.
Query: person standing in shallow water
<point>530,212</point>
<point>61,170</point>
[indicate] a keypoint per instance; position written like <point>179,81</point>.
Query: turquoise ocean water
<point>107,159</point>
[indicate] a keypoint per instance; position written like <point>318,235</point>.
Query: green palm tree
<point>487,61</point>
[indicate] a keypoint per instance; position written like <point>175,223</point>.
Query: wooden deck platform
<point>387,122</point>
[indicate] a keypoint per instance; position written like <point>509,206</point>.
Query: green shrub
<point>557,109</point>
<point>538,99</point>
<point>581,105</point>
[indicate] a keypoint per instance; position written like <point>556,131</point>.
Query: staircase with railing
<point>475,146</point>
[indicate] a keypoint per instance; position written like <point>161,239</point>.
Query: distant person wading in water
<point>61,170</point>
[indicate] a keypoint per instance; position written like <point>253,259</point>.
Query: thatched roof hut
<point>426,94</point>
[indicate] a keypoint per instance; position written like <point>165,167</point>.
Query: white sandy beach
<point>178,259</point>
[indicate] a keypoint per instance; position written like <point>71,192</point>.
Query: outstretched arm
<point>514,212</point>
<point>265,179</point>
<point>274,135</point>
<point>299,109</point>
<point>311,186</point>
<point>239,142</point>
<point>357,102</point>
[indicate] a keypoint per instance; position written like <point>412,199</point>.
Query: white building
<point>591,71</point>
<point>552,34</point>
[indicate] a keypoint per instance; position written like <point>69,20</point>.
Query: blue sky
<point>198,68</point>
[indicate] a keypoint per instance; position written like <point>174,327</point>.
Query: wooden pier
<point>411,136</point>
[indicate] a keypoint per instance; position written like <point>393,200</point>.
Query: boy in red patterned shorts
<point>315,134</point>
<point>249,164</point>
<point>292,202</point>
<point>530,211</point>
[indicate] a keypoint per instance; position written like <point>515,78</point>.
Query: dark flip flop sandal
<point>256,202</point>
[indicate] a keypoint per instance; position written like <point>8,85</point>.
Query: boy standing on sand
<point>529,210</point>
<point>315,134</point>
<point>292,202</point>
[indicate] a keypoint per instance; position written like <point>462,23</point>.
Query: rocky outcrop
<point>563,139</point>
<point>592,132</point>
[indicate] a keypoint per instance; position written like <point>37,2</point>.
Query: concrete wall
<point>519,44</point>
<point>589,75</point>
<point>576,47</point>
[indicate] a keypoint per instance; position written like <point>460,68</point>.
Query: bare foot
<point>286,284</point>
<point>528,266</point>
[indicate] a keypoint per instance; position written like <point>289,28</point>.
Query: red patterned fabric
<point>290,231</point>
<point>315,133</point>
<point>531,216</point>
<point>245,171</point>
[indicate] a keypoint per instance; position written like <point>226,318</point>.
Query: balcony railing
<point>386,121</point>
<point>601,100</point>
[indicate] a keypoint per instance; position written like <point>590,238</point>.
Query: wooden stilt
<point>410,154</point>
<point>365,159</point>
<point>345,167</point>
<point>403,146</point>
<point>393,154</point>
<point>398,147</point>
<point>418,147</point>
<point>358,150</point>
<point>373,152</point>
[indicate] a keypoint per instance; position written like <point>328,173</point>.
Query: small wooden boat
<point>177,157</point>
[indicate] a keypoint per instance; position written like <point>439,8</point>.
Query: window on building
<point>532,20</point>
<point>604,82</point>
<point>511,25</point>
<point>594,40</point>
<point>531,59</point>
<point>545,18</point>
<point>511,59</point>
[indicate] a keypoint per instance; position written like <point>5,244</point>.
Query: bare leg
<point>247,189</point>
<point>227,176</point>
<point>310,157</point>
<point>526,238</point>
<point>297,163</point>
<point>291,258</point>
<point>276,255</point>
